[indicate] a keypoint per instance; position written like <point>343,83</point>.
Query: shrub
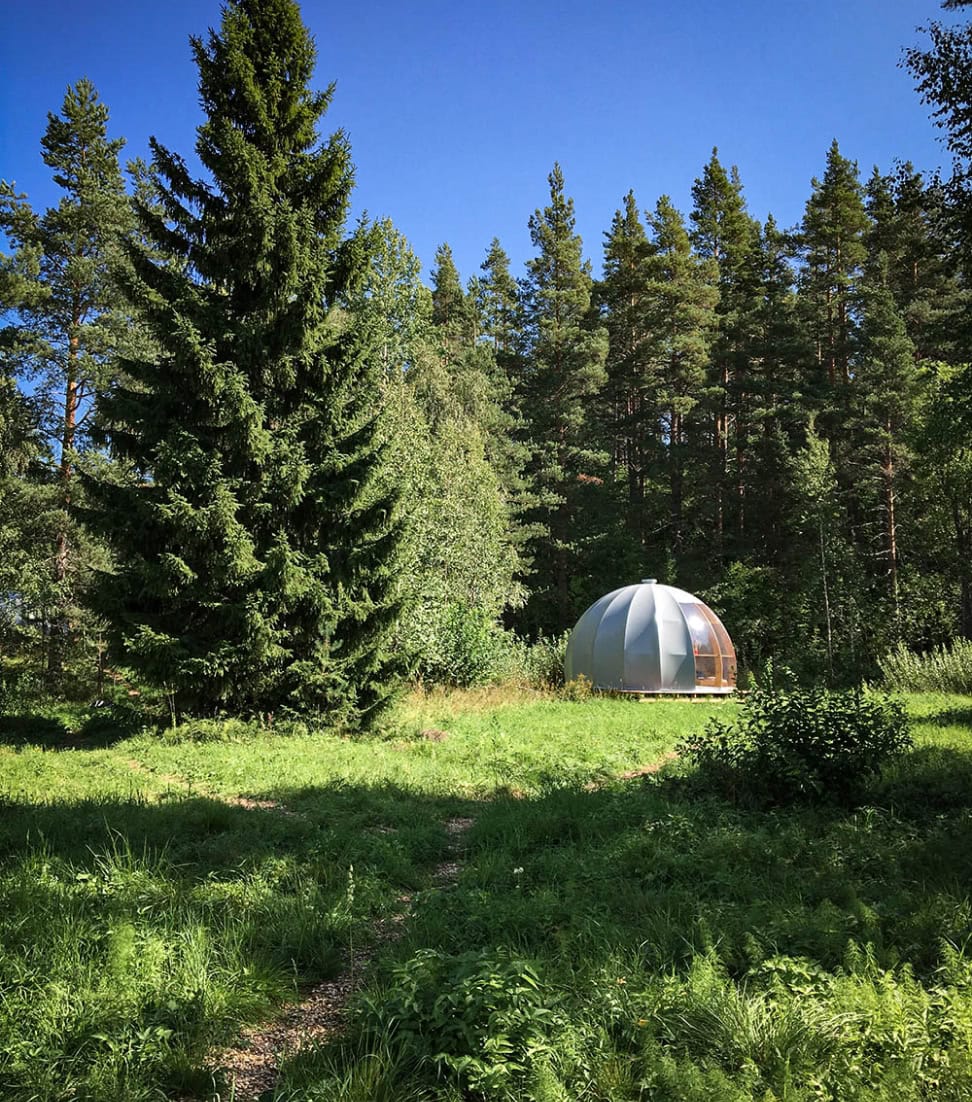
<point>480,1017</point>
<point>465,647</point>
<point>19,687</point>
<point>580,688</point>
<point>463,650</point>
<point>539,664</point>
<point>943,670</point>
<point>808,744</point>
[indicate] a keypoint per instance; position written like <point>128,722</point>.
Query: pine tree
<point>563,368</point>
<point>69,323</point>
<point>725,234</point>
<point>780,407</point>
<point>255,552</point>
<point>683,294</point>
<point>909,228</point>
<point>833,252</point>
<point>885,376</point>
<point>628,403</point>
<point>943,461</point>
<point>832,243</point>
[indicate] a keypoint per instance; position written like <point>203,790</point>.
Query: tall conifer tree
<point>69,323</point>
<point>562,370</point>
<point>886,377</point>
<point>629,413</point>
<point>255,551</point>
<point>723,232</point>
<point>909,227</point>
<point>683,294</point>
<point>498,305</point>
<point>833,251</point>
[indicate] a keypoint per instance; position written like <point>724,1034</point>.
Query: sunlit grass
<point>683,948</point>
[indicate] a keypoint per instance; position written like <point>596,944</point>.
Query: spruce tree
<point>449,303</point>
<point>563,369</point>
<point>255,550</point>
<point>498,305</point>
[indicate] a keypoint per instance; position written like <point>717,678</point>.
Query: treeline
<point>247,454</point>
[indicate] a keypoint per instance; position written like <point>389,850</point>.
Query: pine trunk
<point>60,627</point>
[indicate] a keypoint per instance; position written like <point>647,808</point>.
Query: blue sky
<point>457,111</point>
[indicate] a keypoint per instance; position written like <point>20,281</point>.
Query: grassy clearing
<point>614,940</point>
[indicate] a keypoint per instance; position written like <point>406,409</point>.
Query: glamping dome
<point>652,638</point>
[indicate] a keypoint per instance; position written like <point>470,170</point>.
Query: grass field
<point>604,938</point>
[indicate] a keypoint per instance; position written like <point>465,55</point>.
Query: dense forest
<point>250,458</point>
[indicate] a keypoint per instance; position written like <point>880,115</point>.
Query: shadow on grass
<point>638,881</point>
<point>34,730</point>
<point>77,729</point>
<point>172,923</point>
<point>638,876</point>
<point>950,717</point>
<point>646,872</point>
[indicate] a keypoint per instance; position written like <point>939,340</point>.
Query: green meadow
<point>605,937</point>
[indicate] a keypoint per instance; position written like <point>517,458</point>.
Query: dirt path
<point>652,767</point>
<point>252,1066</point>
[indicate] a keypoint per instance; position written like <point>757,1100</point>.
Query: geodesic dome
<point>652,638</point>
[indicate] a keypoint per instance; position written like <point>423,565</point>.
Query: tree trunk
<point>826,599</point>
<point>57,640</point>
<point>891,531</point>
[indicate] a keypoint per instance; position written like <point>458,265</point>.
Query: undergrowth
<point>945,669</point>
<point>799,744</point>
<point>606,939</point>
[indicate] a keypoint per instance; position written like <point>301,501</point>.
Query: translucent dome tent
<point>652,638</point>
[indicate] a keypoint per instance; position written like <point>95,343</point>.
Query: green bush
<point>19,687</point>
<point>464,650</point>
<point>539,664</point>
<point>808,744</point>
<point>480,1017</point>
<point>465,647</point>
<point>942,670</point>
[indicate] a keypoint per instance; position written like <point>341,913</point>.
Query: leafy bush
<point>464,650</point>
<point>943,670</point>
<point>539,664</point>
<point>19,686</point>
<point>806,744</point>
<point>479,1016</point>
<point>465,647</point>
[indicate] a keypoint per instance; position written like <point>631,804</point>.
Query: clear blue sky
<point>457,110</point>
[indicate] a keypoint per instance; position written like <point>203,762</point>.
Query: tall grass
<point>605,939</point>
<point>946,669</point>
